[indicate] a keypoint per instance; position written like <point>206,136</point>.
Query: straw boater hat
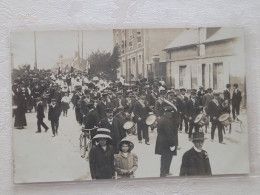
<point>103,131</point>
<point>197,136</point>
<point>129,143</point>
<point>98,136</point>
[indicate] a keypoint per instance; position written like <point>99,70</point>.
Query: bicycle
<point>85,141</point>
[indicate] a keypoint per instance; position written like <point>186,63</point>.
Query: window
<point>139,38</point>
<point>194,79</point>
<point>201,50</point>
<point>117,39</point>
<point>123,42</point>
<point>204,75</point>
<point>182,75</point>
<point>130,36</point>
<point>218,76</point>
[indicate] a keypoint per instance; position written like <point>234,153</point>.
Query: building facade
<point>141,52</point>
<point>211,57</point>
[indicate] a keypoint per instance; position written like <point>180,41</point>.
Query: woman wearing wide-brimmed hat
<point>101,158</point>
<point>126,162</point>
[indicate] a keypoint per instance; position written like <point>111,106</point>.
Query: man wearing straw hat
<point>101,158</point>
<point>196,161</point>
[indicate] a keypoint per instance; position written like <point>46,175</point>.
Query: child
<point>126,162</point>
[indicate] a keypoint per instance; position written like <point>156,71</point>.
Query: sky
<point>50,45</point>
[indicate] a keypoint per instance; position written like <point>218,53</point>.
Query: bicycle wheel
<point>82,146</point>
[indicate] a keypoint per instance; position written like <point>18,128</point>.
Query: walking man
<point>40,115</point>
<point>53,116</point>
<point>167,139</point>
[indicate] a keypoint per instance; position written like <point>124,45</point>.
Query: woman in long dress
<point>20,119</point>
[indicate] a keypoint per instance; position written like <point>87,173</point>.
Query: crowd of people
<point>108,105</point>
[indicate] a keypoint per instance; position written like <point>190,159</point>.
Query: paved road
<point>42,158</point>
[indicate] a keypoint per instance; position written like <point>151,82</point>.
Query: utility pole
<point>78,51</point>
<point>35,52</point>
<point>82,49</point>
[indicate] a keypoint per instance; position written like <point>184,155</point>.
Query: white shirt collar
<point>196,149</point>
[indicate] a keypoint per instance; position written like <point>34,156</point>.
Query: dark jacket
<point>116,103</point>
<point>167,137</point>
<point>90,120</point>
<point>227,95</point>
<point>101,162</point>
<point>195,163</point>
<point>182,104</point>
<point>40,111</point>
<point>193,109</point>
<point>101,109</point>
<point>158,108</point>
<point>236,98</point>
<point>115,128</point>
<point>140,111</point>
<point>54,113</point>
<point>214,110</point>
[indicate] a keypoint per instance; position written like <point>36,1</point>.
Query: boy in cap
<point>196,161</point>
<point>53,116</point>
<point>40,115</point>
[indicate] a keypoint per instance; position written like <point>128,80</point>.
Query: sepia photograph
<point>128,103</point>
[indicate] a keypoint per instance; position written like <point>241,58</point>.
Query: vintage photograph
<point>128,103</point>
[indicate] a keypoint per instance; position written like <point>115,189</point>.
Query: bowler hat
<point>109,110</point>
<point>198,136</point>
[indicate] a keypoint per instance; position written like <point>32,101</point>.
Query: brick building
<point>141,52</point>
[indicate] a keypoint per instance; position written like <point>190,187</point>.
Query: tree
<point>114,62</point>
<point>104,63</point>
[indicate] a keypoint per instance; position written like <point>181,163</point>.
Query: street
<point>39,157</point>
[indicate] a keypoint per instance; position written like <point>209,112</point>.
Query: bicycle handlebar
<point>83,129</point>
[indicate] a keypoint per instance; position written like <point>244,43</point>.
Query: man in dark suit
<point>40,115</point>
<point>207,98</point>
<point>236,100</point>
<point>196,161</point>
<point>215,110</point>
<point>193,109</point>
<point>91,119</point>
<point>200,94</point>
<point>102,106</point>
<point>118,101</point>
<point>167,139</point>
<point>114,126</point>
<point>227,93</point>
<point>53,116</point>
<point>141,111</point>
<point>182,107</point>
